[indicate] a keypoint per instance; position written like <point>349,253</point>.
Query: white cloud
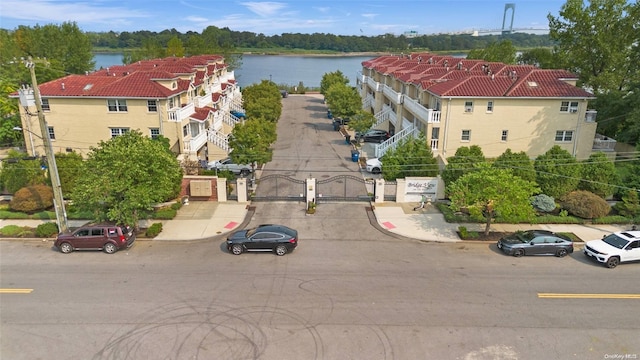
<point>58,12</point>
<point>264,9</point>
<point>369,16</point>
<point>321,9</point>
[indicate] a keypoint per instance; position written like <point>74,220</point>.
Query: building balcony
<point>590,116</point>
<point>393,95</point>
<point>196,142</point>
<point>182,113</point>
<point>422,113</point>
<point>373,84</point>
<point>603,143</point>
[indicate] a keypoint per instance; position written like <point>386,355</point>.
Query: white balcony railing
<point>434,144</point>
<point>218,139</point>
<point>374,84</point>
<point>590,115</point>
<point>422,113</point>
<point>603,143</point>
<point>181,113</point>
<point>196,142</point>
<point>392,142</point>
<point>393,95</point>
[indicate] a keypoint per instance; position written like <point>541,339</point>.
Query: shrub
<point>613,219</point>
<point>165,214</point>
<point>32,198</point>
<point>47,229</point>
<point>176,206</point>
<point>154,230</point>
<point>449,215</point>
<point>630,205</point>
<point>553,219</point>
<point>543,203</point>
<point>585,204</point>
<point>11,230</point>
<point>12,215</point>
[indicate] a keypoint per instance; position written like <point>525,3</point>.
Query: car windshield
<point>615,241</point>
<point>525,236</point>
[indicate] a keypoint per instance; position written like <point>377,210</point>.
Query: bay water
<point>281,69</point>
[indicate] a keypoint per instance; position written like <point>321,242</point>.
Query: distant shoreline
<point>352,54</point>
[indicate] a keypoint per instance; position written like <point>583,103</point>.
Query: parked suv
<point>106,237</point>
<point>615,248</point>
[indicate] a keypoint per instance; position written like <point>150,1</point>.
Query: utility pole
<point>58,200</point>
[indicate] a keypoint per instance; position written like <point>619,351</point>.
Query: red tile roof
<point>450,76</point>
<point>137,80</point>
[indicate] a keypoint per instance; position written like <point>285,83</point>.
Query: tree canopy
<point>465,159</point>
<point>599,40</point>
<point>263,101</point>
<point>343,100</point>
<point>502,51</point>
<point>412,157</point>
<point>490,193</point>
<point>125,176</point>
<point>519,163</point>
<point>331,78</point>
<point>557,172</point>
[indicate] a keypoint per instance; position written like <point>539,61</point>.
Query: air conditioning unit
<point>468,109</point>
<point>573,110</point>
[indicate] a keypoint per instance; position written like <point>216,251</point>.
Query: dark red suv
<point>106,237</point>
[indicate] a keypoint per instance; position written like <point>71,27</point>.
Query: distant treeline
<point>229,39</point>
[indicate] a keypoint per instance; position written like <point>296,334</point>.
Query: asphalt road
<point>348,291</point>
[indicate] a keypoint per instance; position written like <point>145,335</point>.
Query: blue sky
<point>345,17</point>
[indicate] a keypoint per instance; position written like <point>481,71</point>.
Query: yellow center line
<point>587,296</point>
<point>16,291</point>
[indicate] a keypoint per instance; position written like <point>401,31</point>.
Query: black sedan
<point>374,136</point>
<point>269,237</point>
<point>536,242</point>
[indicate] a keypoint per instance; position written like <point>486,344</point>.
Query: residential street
<point>348,291</point>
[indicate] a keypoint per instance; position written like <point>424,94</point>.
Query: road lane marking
<point>16,291</point>
<point>587,296</point>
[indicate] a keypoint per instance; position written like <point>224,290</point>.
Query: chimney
<point>62,86</point>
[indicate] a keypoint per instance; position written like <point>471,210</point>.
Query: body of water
<point>287,70</point>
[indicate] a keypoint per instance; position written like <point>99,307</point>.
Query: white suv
<point>615,248</point>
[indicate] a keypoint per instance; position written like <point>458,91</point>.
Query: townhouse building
<point>459,102</point>
<point>186,100</point>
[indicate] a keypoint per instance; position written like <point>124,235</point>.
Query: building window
<point>505,133</point>
<point>185,130</point>
<point>45,105</point>
<point>489,106</point>
<point>468,106</point>
<point>466,135</point>
<point>118,131</point>
<point>173,102</point>
<point>155,132</point>
<point>117,105</point>
<point>52,133</point>
<point>569,106</point>
<point>564,135</point>
<point>152,105</point>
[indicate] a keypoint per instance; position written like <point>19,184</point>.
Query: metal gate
<point>344,188</point>
<point>279,188</point>
<point>390,190</point>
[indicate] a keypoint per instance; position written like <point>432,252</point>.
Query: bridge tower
<point>508,7</point>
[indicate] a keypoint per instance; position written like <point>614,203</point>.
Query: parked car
<point>615,248</point>
<point>375,136</point>
<point>284,93</point>
<point>374,166</point>
<point>238,114</point>
<point>536,242</point>
<point>268,237</point>
<point>227,164</point>
<point>106,237</point>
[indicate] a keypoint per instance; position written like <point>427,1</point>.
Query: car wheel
<point>245,172</point>
<point>613,262</point>
<point>375,171</point>
<point>561,253</point>
<point>109,248</point>
<point>281,250</point>
<point>236,249</point>
<point>518,253</point>
<point>66,248</point>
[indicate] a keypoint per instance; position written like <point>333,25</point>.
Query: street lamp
<point>58,199</point>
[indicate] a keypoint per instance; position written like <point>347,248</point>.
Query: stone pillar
<point>378,192</point>
<point>222,189</point>
<point>311,190</point>
<point>241,183</point>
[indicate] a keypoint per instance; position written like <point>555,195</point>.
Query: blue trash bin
<point>336,126</point>
<point>355,155</point>
<point>347,139</point>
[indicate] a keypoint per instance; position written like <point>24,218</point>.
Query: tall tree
<point>412,157</point>
<point>502,51</point>
<point>125,176</point>
<point>557,172</point>
<point>343,100</point>
<point>465,160</point>
<point>328,79</point>
<point>263,101</point>
<point>175,47</point>
<point>491,193</point>
<point>598,40</point>
<point>519,163</point>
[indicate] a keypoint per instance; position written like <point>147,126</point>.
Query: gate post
<point>378,191</point>
<point>241,184</point>
<point>311,190</point>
